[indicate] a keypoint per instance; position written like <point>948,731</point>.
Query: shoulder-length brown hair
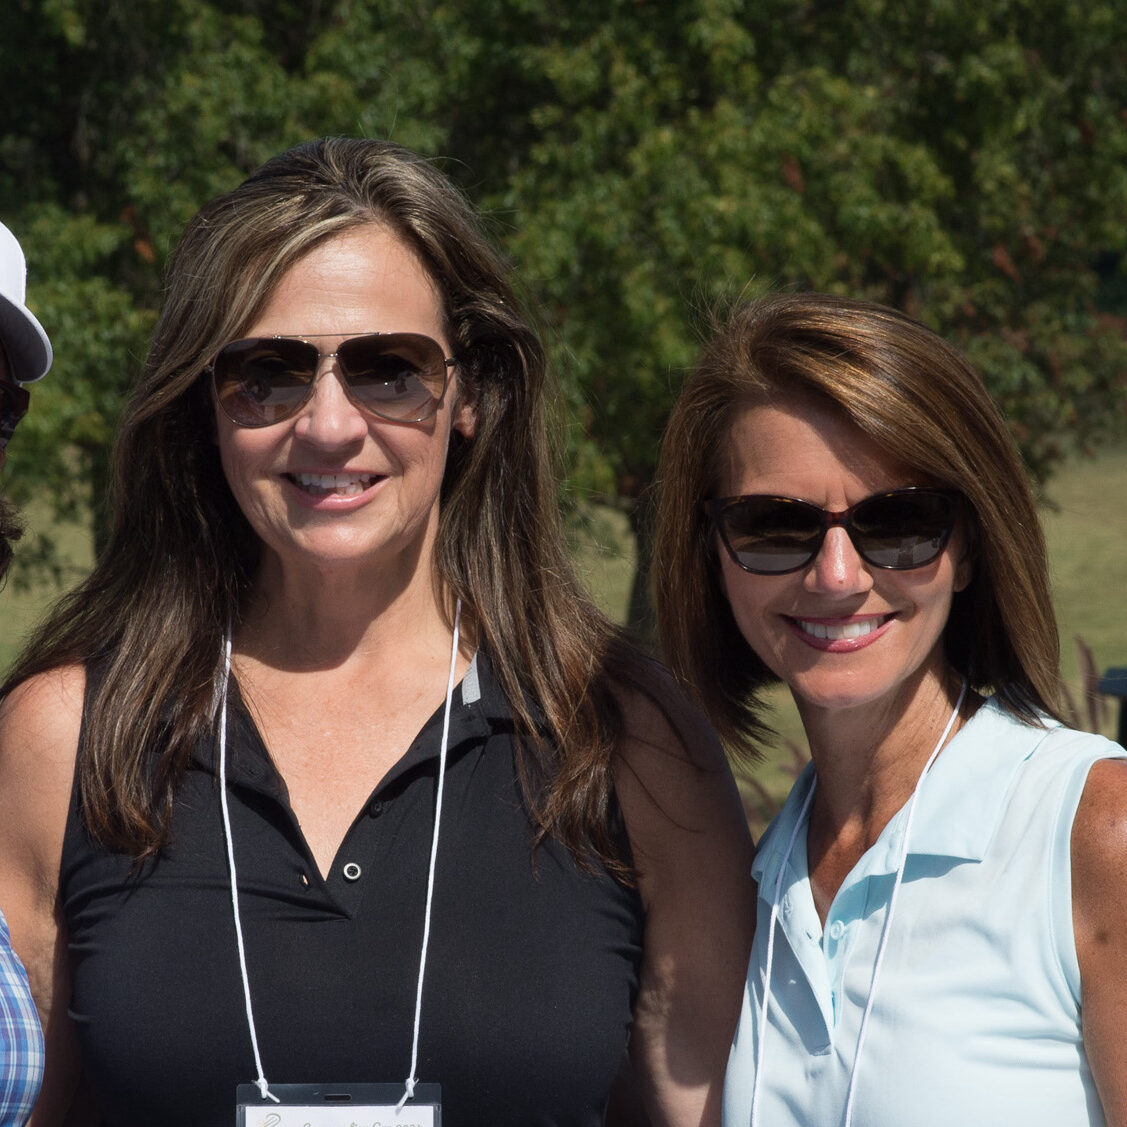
<point>180,553</point>
<point>923,403</point>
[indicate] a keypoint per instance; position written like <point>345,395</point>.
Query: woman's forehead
<point>802,447</point>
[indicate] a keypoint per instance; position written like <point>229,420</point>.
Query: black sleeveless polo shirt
<point>532,969</point>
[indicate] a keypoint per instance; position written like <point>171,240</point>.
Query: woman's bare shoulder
<point>666,739</point>
<point>44,710</point>
<point>672,777</point>
<point>40,721</point>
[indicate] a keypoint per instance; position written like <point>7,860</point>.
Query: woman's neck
<point>324,619</point>
<point>868,762</point>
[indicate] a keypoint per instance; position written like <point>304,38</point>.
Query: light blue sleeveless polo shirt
<point>976,1020</point>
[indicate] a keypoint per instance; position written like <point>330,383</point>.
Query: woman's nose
<point>330,418</point>
<point>838,568</point>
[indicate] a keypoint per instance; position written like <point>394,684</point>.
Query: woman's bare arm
<point>692,851</point>
<point>1099,908</point>
<point>39,726</point>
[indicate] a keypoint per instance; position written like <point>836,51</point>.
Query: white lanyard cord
<point>897,882</point>
<point>412,1079</point>
<point>771,950</point>
<point>885,930</point>
<point>263,1086</point>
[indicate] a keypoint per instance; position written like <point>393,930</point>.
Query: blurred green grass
<point>1085,518</point>
<point>1086,529</point>
<point>603,551</point>
<point>25,600</point>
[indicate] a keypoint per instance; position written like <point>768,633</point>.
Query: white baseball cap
<point>25,342</point>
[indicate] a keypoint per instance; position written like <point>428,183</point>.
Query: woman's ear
<point>964,572</point>
<point>465,415</point>
<point>465,404</point>
<point>968,537</point>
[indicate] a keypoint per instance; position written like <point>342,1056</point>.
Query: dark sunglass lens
<point>399,376</point>
<point>263,381</point>
<point>772,534</point>
<point>903,530</point>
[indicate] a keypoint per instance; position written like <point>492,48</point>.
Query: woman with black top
<point>366,790</point>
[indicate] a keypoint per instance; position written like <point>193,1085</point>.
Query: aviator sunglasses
<point>899,530</point>
<point>400,377</point>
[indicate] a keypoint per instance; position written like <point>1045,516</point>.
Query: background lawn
<point>1085,516</point>
<point>23,602</point>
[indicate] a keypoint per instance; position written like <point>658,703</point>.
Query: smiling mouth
<point>333,484</point>
<point>848,630</point>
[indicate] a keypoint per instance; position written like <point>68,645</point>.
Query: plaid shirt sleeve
<point>21,1039</point>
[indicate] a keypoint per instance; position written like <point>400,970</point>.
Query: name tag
<point>339,1105</point>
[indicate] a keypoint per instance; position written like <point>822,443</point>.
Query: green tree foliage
<point>643,161</point>
<point>965,162</point>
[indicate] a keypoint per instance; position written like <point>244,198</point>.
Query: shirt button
<point>351,871</point>
<point>837,929</point>
<point>377,808</point>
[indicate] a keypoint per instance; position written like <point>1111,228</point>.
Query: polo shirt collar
<point>478,704</point>
<point>968,787</point>
<point>773,844</point>
<point>959,808</point>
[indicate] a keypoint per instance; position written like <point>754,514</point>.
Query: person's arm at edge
<point>1099,907</point>
<point>39,726</point>
<point>692,852</point>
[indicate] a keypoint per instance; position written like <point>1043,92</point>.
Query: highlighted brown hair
<point>180,553</point>
<point>921,401</point>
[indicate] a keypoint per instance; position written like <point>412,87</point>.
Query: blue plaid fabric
<point>21,1039</point>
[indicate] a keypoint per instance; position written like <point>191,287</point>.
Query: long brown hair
<point>180,553</point>
<point>919,398</point>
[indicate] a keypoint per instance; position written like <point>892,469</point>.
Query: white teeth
<point>837,633</point>
<point>342,484</point>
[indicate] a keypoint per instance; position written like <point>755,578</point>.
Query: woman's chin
<point>820,693</point>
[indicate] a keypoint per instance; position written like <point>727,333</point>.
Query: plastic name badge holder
<point>339,1105</point>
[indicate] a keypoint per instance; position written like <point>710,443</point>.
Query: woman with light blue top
<point>25,356</point>
<point>942,919</point>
